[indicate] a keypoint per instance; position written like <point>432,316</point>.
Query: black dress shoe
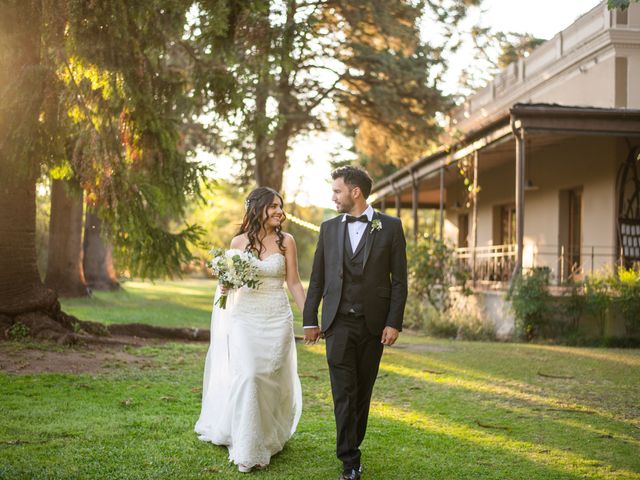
<point>353,474</point>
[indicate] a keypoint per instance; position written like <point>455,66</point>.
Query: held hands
<point>311,335</point>
<point>389,336</point>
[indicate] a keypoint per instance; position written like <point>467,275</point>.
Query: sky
<point>307,180</point>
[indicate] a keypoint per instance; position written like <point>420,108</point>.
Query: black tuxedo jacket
<point>384,275</point>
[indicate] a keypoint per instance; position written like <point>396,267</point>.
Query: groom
<point>360,274</point>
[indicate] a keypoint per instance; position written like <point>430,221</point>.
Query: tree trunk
<point>64,265</point>
<point>21,289</point>
<point>99,272</point>
<point>24,300</point>
<point>272,148</point>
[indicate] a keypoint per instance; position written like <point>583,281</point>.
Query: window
<point>507,232</point>
<point>463,230</point>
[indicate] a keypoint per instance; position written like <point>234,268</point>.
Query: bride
<point>251,395</point>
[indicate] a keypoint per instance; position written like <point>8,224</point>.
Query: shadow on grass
<point>477,418</point>
<point>138,424</point>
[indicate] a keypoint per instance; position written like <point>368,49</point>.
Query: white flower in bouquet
<point>234,269</point>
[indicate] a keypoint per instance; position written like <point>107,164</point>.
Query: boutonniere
<point>376,225</point>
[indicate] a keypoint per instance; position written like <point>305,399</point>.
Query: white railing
<point>493,263</point>
<point>496,263</point>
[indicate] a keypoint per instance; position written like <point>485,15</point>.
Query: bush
<point>433,275</point>
<point>421,316</point>
<point>531,301</point>
<point>433,271</point>
<point>627,286</point>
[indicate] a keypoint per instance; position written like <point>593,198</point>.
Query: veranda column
<point>442,204</point>
<point>474,220</point>
<point>520,162</point>
<point>414,205</point>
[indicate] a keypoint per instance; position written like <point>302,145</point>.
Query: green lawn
<point>183,303</point>
<point>442,409</point>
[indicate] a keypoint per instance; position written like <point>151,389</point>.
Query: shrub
<point>18,331</point>
<point>433,271</point>
<point>530,300</point>
<point>627,287</point>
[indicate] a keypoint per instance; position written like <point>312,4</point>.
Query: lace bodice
<point>270,295</point>
<point>271,271</point>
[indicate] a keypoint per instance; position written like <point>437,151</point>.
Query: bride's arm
<point>293,276</point>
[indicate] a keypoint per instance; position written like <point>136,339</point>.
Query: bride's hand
<point>224,290</point>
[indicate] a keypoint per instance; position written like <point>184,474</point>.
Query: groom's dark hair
<point>354,177</point>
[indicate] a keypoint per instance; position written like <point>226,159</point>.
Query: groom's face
<point>342,196</point>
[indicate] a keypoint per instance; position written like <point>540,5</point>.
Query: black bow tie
<point>361,218</point>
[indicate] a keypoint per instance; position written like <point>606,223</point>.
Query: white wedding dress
<point>251,395</point>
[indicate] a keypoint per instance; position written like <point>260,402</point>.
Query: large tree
<point>97,258</point>
<point>65,273</point>
<point>301,65</point>
<point>105,74</point>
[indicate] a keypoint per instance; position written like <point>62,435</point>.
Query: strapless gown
<point>251,395</point>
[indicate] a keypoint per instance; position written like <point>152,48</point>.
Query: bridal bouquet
<point>234,269</point>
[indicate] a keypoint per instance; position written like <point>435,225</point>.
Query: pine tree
<point>111,76</point>
<point>303,65</point>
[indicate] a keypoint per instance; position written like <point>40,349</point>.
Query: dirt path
<point>22,360</point>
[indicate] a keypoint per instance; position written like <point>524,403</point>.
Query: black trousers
<point>353,355</point>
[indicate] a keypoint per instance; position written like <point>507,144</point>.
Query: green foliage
<point>454,323</point>
<point>619,292</point>
<point>299,66</point>
<point>622,4</point>
<point>597,298</point>
<point>603,297</point>
<point>627,287</point>
<point>220,213</point>
<point>18,331</point>
<point>109,92</point>
<point>433,271</point>
<point>436,281</point>
<point>493,51</point>
<point>531,302</point>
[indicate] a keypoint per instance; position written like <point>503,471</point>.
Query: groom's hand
<point>311,335</point>
<point>389,335</point>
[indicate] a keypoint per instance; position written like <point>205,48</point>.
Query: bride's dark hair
<point>255,217</point>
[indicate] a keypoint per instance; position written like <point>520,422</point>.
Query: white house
<point>553,144</point>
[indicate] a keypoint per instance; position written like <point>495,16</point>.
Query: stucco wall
<point>587,162</point>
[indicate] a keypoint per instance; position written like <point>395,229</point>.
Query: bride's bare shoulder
<point>239,241</point>
<point>288,238</point>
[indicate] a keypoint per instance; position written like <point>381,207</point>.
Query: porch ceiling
<point>543,124</point>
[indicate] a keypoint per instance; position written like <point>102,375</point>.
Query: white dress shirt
<point>357,229</point>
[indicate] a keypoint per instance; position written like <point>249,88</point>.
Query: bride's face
<point>273,213</point>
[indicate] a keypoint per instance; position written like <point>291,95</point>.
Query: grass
<point>442,410</point>
<point>182,303</point>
